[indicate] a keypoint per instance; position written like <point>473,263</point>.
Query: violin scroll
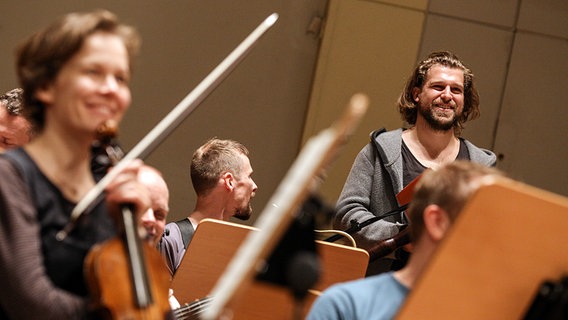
<point>106,150</point>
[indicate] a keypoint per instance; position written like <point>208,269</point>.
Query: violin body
<point>108,276</point>
<point>390,245</point>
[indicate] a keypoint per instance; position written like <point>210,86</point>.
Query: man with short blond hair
<point>439,197</point>
<point>221,174</point>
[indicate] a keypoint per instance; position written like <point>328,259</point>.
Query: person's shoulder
<point>5,163</point>
<point>384,134</point>
<point>171,236</point>
<point>355,286</point>
<point>169,224</point>
<point>171,229</point>
<point>479,154</point>
<point>16,161</point>
<point>387,139</point>
<point>346,298</point>
<point>15,155</point>
<point>387,143</point>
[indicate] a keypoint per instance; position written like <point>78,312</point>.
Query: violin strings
<point>190,314</point>
<point>193,309</point>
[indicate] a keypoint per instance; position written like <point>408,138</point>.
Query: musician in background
<point>154,219</point>
<point>438,200</point>
<point>221,175</point>
<point>437,100</point>
<point>15,130</point>
<point>75,76</point>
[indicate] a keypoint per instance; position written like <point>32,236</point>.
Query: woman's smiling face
<point>92,87</point>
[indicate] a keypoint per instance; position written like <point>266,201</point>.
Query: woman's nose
<point>110,84</point>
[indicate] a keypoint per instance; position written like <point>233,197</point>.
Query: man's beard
<point>243,213</point>
<point>437,123</point>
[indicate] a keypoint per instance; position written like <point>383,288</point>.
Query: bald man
<point>154,220</point>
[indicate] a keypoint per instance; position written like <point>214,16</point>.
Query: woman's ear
<point>436,222</point>
<point>45,94</point>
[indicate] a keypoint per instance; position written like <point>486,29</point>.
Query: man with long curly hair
<point>437,100</point>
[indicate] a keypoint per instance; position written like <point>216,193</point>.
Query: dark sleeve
<point>171,247</point>
<point>27,292</point>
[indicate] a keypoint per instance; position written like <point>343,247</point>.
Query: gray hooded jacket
<point>373,182</point>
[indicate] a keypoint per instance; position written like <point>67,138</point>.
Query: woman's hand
<point>125,189</point>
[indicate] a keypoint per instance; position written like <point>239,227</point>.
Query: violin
<point>193,310</point>
<point>402,239</point>
<point>126,276</point>
<point>390,245</point>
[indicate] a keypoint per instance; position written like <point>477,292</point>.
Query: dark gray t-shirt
<point>412,168</point>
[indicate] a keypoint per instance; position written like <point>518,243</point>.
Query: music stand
<point>507,240</point>
<point>213,246</point>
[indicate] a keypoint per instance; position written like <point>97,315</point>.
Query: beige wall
<point>517,52</point>
<point>368,47</point>
<point>262,103</point>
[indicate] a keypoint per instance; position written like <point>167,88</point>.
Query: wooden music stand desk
<point>213,246</point>
<point>508,239</point>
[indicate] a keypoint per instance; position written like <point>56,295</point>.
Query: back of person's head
<point>448,187</point>
<point>12,101</point>
<point>212,160</point>
<point>408,107</point>
<point>42,55</point>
